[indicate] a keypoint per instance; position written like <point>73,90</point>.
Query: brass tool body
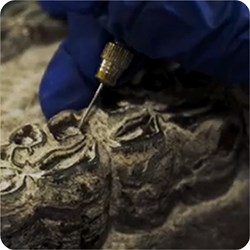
<point>115,60</point>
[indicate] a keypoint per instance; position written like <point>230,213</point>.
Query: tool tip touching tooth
<point>85,114</point>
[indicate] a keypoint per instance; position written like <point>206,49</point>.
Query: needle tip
<point>85,114</point>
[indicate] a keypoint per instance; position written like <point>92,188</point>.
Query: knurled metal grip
<point>115,60</point>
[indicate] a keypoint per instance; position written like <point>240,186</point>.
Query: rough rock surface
<point>23,59</point>
<point>24,24</point>
<point>151,168</point>
<point>19,88</point>
<point>160,164</point>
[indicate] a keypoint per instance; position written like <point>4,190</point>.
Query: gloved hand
<point>209,36</point>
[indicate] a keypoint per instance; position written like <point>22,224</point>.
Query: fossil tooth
<point>64,125</point>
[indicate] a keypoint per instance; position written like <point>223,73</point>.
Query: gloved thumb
<point>69,80</point>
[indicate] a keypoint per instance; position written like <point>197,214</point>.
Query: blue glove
<point>208,36</point>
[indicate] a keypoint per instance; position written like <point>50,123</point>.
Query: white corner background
<point>2,3</point>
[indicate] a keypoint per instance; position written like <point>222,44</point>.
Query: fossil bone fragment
<point>153,164</point>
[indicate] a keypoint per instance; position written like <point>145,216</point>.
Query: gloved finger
<point>63,87</point>
<point>69,81</point>
<point>80,7</point>
<point>61,8</point>
<point>54,8</point>
<point>85,42</point>
<point>200,35</point>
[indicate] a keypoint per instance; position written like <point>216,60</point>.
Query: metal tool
<point>115,60</point>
